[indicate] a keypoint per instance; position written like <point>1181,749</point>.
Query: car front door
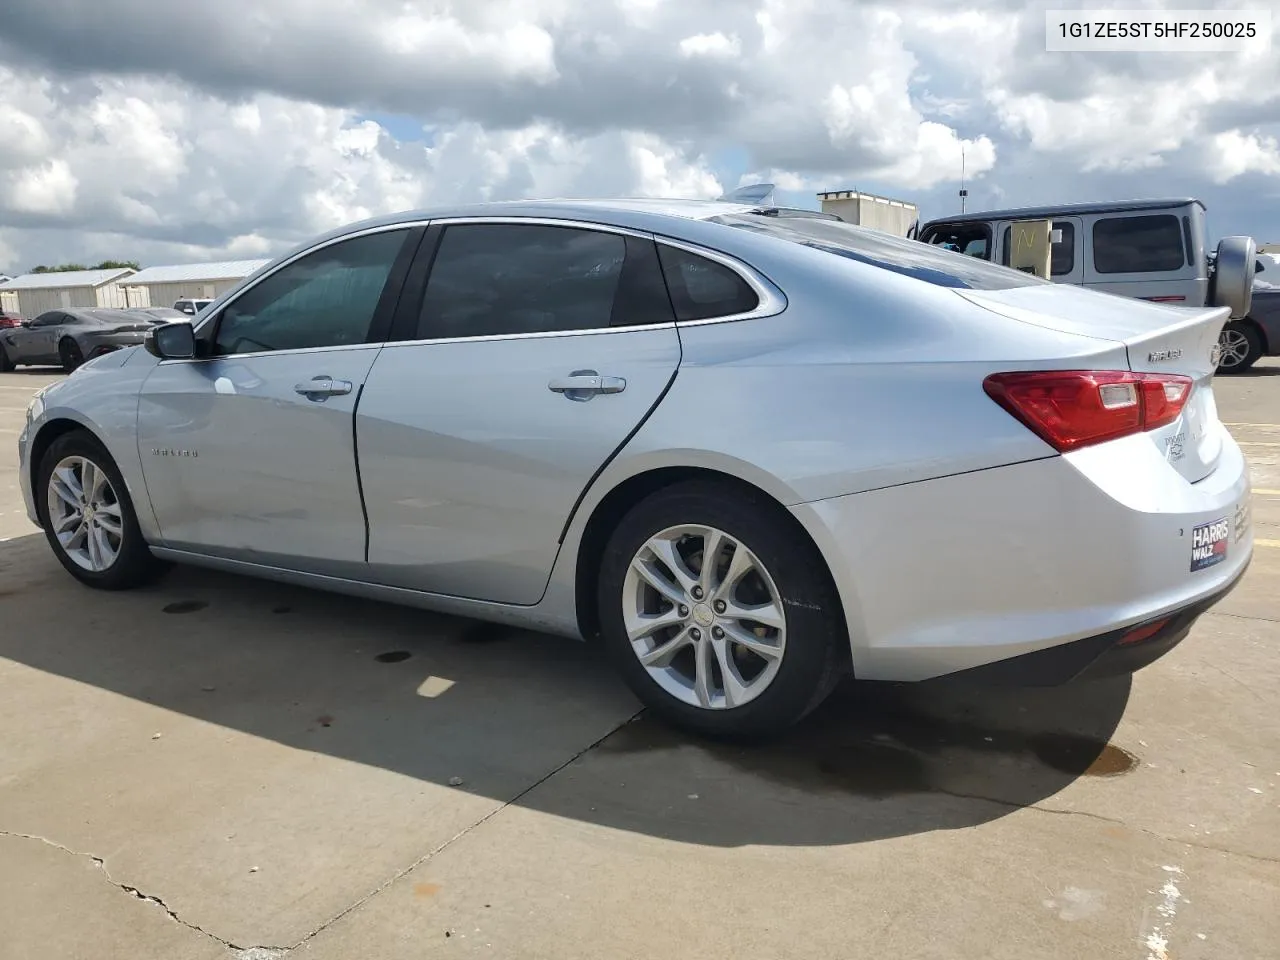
<point>533,354</point>
<point>248,450</point>
<point>37,342</point>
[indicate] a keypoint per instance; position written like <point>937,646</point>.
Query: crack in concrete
<point>243,953</point>
<point>1113,821</point>
<point>463,832</point>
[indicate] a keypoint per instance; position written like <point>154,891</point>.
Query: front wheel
<point>719,612</point>
<point>89,519</point>
<point>6,365</point>
<point>1241,347</point>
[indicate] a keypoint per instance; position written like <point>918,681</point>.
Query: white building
<point>869,210</point>
<point>162,286</point>
<point>31,294</point>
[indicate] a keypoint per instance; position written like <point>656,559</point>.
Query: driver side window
<point>325,299</point>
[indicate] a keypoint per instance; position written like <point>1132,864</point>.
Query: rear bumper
<point>1093,658</point>
<point>1053,560</point>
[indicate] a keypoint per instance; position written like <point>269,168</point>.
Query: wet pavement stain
<point>888,746</point>
<point>1082,757</point>
<point>185,606</point>
<point>393,656</point>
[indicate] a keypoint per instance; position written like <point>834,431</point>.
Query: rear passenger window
<point>497,279</point>
<point>1062,254</point>
<point>1151,244</point>
<point>701,288</point>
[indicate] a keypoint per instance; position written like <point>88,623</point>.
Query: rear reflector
<point>1070,409</point>
<point>1144,632</point>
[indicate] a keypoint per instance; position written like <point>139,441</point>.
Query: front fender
<point>103,401</point>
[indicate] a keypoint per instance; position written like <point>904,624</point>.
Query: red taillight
<point>1070,409</point>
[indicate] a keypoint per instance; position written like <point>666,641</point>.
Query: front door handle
<point>318,388</point>
<point>585,384</point>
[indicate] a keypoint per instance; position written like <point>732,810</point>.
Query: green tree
<point>104,265</point>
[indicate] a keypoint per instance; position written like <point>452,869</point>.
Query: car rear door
<point>248,453</point>
<point>526,358</point>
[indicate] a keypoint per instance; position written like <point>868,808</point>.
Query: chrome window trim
<point>772,300</point>
<point>368,231</point>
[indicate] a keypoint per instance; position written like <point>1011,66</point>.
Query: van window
<point>971,239</point>
<point>911,258</point>
<point>1062,255</point>
<point>1150,244</point>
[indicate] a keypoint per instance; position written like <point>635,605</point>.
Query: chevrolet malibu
<point>749,451</point>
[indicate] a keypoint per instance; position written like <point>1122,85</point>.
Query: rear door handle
<point>318,388</point>
<point>585,384</point>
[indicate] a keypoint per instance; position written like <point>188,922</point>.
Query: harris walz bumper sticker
<point>1209,543</point>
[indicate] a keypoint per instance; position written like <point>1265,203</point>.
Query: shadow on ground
<point>439,698</point>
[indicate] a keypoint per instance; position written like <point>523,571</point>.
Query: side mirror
<point>171,341</point>
<point>24,323</point>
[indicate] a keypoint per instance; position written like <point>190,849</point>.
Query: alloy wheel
<point>704,617</point>
<point>1235,349</point>
<point>85,513</point>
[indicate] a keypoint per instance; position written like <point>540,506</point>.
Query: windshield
<point>896,254</point>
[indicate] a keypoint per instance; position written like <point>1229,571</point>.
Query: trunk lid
<point>1157,339</point>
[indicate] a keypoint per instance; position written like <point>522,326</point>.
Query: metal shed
<point>33,293</point>
<point>869,210</point>
<point>162,286</point>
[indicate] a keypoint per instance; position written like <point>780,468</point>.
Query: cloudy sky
<point>171,132</point>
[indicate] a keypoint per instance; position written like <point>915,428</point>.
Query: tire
<point>133,564</point>
<point>70,355</point>
<point>6,365</point>
<point>1241,346</point>
<point>815,651</point>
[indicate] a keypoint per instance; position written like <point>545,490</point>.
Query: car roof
<point>637,213</point>
<point>1068,210</point>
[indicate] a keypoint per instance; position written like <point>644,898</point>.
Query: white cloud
<point>114,141</point>
<point>1233,154</point>
<point>46,188</point>
<point>710,45</point>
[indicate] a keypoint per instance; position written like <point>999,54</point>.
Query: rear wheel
<point>70,355</point>
<point>1241,347</point>
<point>90,521</point>
<point>719,613</point>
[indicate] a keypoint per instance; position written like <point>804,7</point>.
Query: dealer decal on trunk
<point>1209,543</point>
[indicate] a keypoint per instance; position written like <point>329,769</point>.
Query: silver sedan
<point>749,451</point>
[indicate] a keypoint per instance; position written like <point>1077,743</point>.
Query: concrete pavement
<point>217,767</point>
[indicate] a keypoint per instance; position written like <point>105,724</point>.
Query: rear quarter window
<point>911,258</point>
<point>1147,244</point>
